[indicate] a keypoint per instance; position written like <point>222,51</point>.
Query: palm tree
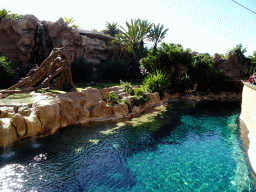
<point>111,29</point>
<point>133,38</point>
<point>157,34</point>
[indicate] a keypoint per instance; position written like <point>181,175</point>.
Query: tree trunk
<point>51,66</point>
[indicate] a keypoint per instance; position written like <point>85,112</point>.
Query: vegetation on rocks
<point>157,82</point>
<point>4,13</point>
<point>7,72</point>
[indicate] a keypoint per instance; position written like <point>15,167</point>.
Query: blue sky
<point>213,26</point>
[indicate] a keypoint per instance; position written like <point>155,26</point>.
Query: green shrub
<point>81,70</point>
<point>114,70</point>
<point>4,13</point>
<point>7,72</point>
<point>126,87</point>
<point>157,82</point>
<point>112,99</point>
<point>140,97</point>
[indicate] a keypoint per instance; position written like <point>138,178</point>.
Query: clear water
<point>188,147</point>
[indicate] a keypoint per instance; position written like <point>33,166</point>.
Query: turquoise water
<point>189,147</point>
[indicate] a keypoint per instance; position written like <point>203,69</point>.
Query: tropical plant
<point>156,34</point>
<point>112,99</point>
<point>157,82</point>
<point>140,97</point>
<point>81,70</point>
<point>7,72</point>
<point>126,87</point>
<point>111,29</point>
<point>4,13</point>
<point>15,16</point>
<point>133,38</point>
<point>70,22</point>
<point>170,58</point>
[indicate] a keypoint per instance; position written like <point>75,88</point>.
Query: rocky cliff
<point>29,41</point>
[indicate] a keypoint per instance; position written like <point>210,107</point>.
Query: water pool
<point>186,147</point>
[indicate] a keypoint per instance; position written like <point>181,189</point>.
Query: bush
<point>126,87</point>
<point>112,99</point>
<point>4,13</point>
<point>172,59</point>
<point>81,70</point>
<point>157,82</point>
<point>7,72</point>
<point>114,70</point>
<point>140,97</point>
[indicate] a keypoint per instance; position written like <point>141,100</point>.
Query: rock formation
<point>50,112</point>
<point>231,66</point>
<point>51,67</point>
<point>29,41</point>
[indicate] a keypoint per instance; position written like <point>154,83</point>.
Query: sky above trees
<point>213,26</point>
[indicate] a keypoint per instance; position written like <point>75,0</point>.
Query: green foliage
<point>111,29</point>
<point>170,58</point>
<point>156,34</point>
<point>133,38</point>
<point>252,65</point>
<point>7,72</point>
<point>81,70</point>
<point>114,70</point>
<point>112,99</point>
<point>126,87</point>
<point>157,82</point>
<point>239,52</point>
<point>128,104</point>
<point>140,97</point>
<point>15,16</point>
<point>4,13</point>
<point>205,74</point>
<point>70,22</point>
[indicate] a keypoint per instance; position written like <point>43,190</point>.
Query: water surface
<point>187,147</point>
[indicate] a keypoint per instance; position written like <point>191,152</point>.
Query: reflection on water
<point>186,147</point>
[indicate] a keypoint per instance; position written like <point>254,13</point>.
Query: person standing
<point>252,79</point>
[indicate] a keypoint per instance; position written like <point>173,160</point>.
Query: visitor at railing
<point>252,79</point>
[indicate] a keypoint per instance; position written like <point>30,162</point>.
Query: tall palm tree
<point>133,38</point>
<point>111,29</point>
<point>157,34</point>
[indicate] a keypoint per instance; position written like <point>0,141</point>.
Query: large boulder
<point>232,67</point>
<point>19,122</point>
<point>28,22</point>
<point>46,108</point>
<point>67,110</point>
<point>92,95</point>
<point>120,109</point>
<point>153,98</point>
<point>217,58</point>
<point>101,109</point>
<point>33,125</point>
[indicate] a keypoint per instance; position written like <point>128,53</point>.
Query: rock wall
<point>29,41</point>
<point>231,66</point>
<point>50,112</point>
<point>248,116</point>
